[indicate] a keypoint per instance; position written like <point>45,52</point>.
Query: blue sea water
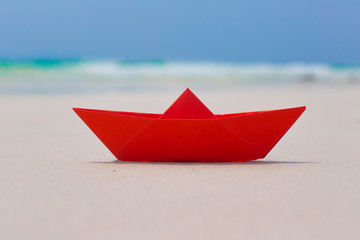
<point>97,76</point>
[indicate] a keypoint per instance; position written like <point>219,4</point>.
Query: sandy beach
<point>57,180</point>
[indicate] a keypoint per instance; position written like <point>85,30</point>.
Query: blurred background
<point>58,181</point>
<point>77,46</point>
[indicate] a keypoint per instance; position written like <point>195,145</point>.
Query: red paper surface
<point>189,131</point>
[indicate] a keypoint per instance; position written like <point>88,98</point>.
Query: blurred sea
<point>99,76</point>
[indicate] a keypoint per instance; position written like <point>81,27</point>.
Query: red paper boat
<point>189,131</point>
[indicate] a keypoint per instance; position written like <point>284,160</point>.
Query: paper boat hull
<point>226,138</point>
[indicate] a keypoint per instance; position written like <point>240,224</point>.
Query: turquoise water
<point>87,76</point>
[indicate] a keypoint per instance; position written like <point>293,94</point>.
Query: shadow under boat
<point>256,162</point>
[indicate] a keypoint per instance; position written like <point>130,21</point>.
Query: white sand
<point>57,181</point>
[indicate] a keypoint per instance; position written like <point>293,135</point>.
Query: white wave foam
<point>111,74</point>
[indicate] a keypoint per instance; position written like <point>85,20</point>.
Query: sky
<point>227,30</point>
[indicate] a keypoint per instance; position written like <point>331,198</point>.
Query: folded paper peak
<point>189,131</point>
<point>188,106</point>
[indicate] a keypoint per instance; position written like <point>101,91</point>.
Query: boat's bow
<point>262,130</point>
